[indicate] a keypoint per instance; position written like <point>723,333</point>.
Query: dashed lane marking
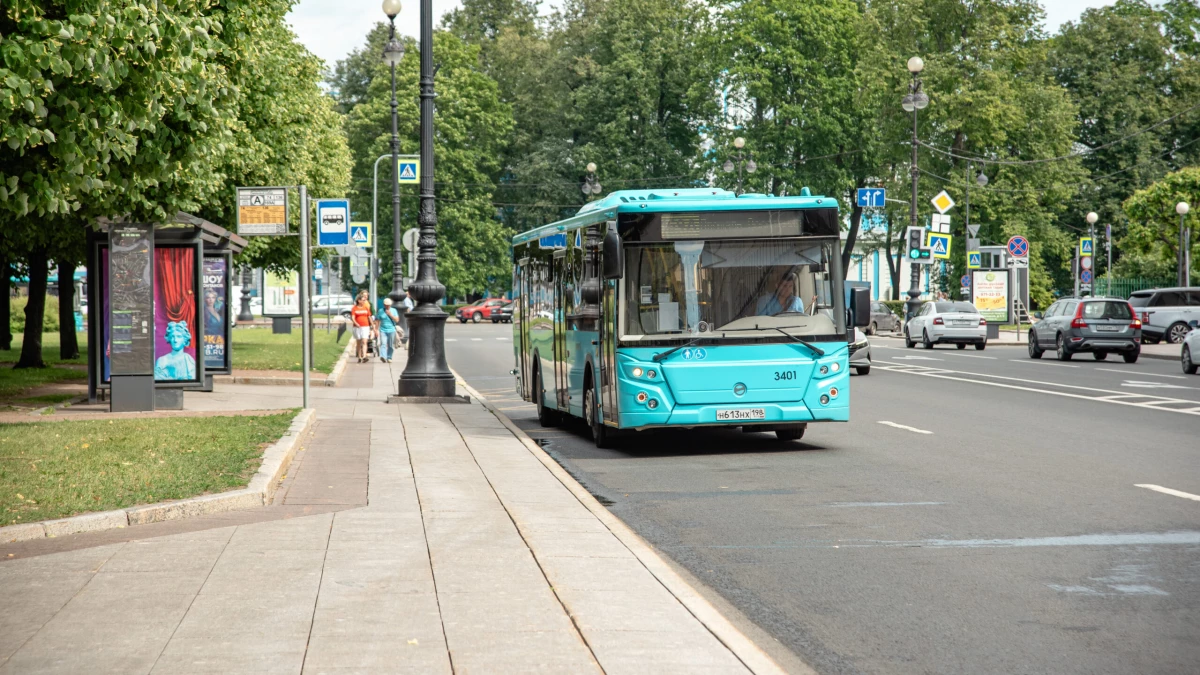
<point>1031,362</point>
<point>905,427</point>
<point>1129,371</point>
<point>1169,491</point>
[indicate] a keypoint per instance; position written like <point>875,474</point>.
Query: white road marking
<point>502,338</point>
<point>916,358</point>
<point>1041,363</point>
<point>955,375</point>
<point>1151,385</point>
<point>904,427</point>
<point>451,339</point>
<point>1169,491</point>
<point>1128,371</point>
<point>847,504</point>
<point>476,339</point>
<point>973,356</point>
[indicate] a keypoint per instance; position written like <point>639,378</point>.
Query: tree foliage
<point>1153,223</point>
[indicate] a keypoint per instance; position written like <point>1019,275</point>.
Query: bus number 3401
<point>785,375</point>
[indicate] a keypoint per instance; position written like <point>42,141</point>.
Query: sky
<point>331,29</point>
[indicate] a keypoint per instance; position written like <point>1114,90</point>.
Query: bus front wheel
<point>601,435</point>
<point>791,433</point>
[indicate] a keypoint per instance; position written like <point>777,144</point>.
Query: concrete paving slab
<point>638,652</point>
<point>376,655</point>
<point>578,544</point>
<point>391,616</point>
<point>220,656</point>
<point>279,614</point>
<point>625,610</point>
<point>466,615</point>
<point>523,652</point>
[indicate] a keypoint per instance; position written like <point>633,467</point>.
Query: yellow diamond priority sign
<point>942,202</point>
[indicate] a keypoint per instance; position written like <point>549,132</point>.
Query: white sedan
<point>954,322</point>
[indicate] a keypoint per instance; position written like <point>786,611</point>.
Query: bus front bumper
<point>706,415</point>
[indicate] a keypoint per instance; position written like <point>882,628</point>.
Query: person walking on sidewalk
<point>360,318</point>
<point>388,325</point>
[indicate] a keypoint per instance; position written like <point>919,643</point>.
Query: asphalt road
<point>981,513</point>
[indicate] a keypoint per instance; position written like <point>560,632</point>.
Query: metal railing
<point>1124,287</point>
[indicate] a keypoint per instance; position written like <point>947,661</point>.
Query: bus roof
<point>672,200</point>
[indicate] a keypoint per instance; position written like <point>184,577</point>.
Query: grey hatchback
<point>1097,325</point>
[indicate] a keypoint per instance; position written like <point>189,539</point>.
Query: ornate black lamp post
<point>912,102</point>
<point>426,374</point>
<point>740,160</point>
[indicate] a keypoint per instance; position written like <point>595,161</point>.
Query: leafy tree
<point>1128,67</point>
<point>471,127</point>
<point>1154,225</point>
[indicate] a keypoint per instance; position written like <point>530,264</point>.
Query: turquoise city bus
<point>686,308</point>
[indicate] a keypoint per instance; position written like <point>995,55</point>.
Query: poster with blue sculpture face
<point>215,313</point>
<point>175,330</point>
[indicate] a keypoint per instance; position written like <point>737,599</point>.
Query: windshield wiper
<point>816,350</point>
<point>657,358</point>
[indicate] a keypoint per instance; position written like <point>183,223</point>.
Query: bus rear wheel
<point>546,416</point>
<point>791,433</point>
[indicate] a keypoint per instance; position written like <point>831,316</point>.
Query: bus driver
<point>783,299</point>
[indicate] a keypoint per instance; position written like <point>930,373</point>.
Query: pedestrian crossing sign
<point>409,171</point>
<point>974,260</point>
<point>360,234</point>
<point>939,245</point>
<point>1086,244</point>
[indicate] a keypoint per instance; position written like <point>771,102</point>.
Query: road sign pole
<point>305,280</point>
<point>1075,271</point>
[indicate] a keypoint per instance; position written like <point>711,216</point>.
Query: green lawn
<point>49,349</point>
<point>13,382</point>
<point>58,469</point>
<point>260,349</point>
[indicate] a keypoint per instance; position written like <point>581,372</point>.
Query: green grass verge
<point>59,469</point>
<point>47,399</point>
<point>50,343</point>
<point>14,382</point>
<point>260,349</point>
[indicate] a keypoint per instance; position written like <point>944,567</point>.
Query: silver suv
<point>1097,325</point>
<point>1165,312</point>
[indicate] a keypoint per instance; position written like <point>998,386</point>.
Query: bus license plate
<point>742,414</point>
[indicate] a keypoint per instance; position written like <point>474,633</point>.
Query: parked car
<point>479,310</point>
<point>1189,354</point>
<point>860,353</point>
<point>952,321</point>
<point>883,318</point>
<point>502,314</point>
<point>1165,312</point>
<point>332,305</point>
<point>1097,325</point>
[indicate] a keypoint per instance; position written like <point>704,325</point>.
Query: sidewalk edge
<point>742,647</point>
<point>335,376</point>
<point>260,490</point>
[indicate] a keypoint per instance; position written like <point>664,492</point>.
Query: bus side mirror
<point>860,307</point>
<point>614,257</point>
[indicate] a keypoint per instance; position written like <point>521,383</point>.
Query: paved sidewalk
<point>469,556</point>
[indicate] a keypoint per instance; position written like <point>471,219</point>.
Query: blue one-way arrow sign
<point>870,197</point>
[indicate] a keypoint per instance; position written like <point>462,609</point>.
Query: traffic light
<point>918,252</point>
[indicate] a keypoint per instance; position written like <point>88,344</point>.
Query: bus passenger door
<point>608,351</point>
<point>561,365</point>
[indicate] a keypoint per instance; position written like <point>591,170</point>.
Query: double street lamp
<point>739,160</point>
<point>591,185</point>
<point>426,374</point>
<point>914,101</point>
<point>1185,246</point>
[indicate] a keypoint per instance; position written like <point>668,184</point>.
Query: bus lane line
<point>1168,491</point>
<point>951,375</point>
<point>1131,371</point>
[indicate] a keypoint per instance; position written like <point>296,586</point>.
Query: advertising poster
<point>175,329</point>
<point>281,295</point>
<point>989,294</point>
<point>215,313</point>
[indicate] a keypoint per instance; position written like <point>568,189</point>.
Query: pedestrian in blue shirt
<point>388,323</point>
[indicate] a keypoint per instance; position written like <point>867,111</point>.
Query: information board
<point>281,294</point>
<point>177,330</point>
<point>262,211</point>
<point>215,312</point>
<point>990,294</point>
<point>130,299</point>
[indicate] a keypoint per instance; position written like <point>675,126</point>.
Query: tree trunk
<point>851,237</point>
<point>68,341</point>
<point>5,305</point>
<point>893,264</point>
<point>35,311</point>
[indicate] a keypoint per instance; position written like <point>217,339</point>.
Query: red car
<point>480,309</point>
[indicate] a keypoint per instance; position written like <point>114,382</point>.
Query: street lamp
<point>739,160</point>
<point>426,374</point>
<point>393,51</point>
<point>914,101</point>
<point>1185,246</point>
<point>591,186</point>
<point>1091,219</point>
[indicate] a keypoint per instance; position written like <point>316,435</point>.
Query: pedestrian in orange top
<point>360,317</point>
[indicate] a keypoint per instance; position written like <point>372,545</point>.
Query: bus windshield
<point>732,289</point>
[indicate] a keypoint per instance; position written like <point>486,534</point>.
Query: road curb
<point>339,368</point>
<point>275,461</point>
<point>742,647</point>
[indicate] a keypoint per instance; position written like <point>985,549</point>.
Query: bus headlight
<point>637,372</point>
<point>651,374</point>
<point>824,399</point>
<point>824,370</point>
<point>652,404</point>
<point>835,366</point>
